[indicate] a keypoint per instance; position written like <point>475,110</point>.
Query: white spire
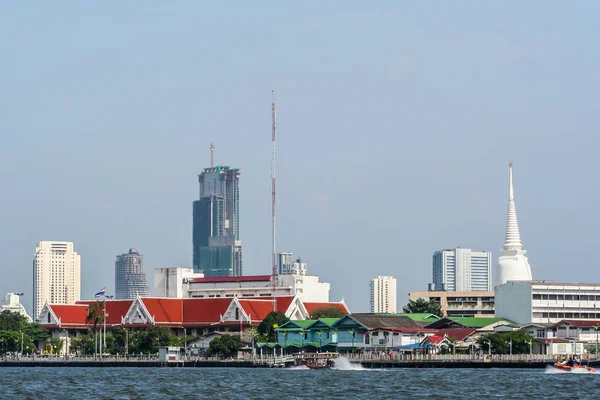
<point>513,237</point>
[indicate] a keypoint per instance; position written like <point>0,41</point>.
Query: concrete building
<point>512,264</point>
<point>12,303</point>
<point>217,249</point>
<point>287,266</point>
<point>170,282</point>
<point>383,294</point>
<point>56,274</point>
<point>547,301</point>
<point>462,270</point>
<point>306,287</point>
<point>460,304</point>
<point>130,278</point>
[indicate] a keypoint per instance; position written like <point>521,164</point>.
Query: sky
<point>396,124</point>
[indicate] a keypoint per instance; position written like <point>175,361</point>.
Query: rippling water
<point>292,383</point>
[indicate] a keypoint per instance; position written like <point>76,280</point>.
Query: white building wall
<point>170,282</point>
<point>307,287</point>
<point>462,270</point>
<point>383,294</point>
<point>12,303</point>
<point>56,274</point>
<point>513,302</point>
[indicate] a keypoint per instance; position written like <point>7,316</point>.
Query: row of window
<point>574,297</point>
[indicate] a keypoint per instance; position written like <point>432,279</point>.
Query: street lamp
<point>509,343</point>
<point>530,346</point>
<point>489,343</point>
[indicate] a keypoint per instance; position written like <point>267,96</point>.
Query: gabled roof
<point>116,309</point>
<point>324,322</point>
<point>164,310</point>
<point>204,310</point>
<point>435,339</point>
<point>465,322</point>
<point>421,317</point>
<point>373,321</point>
<point>69,314</point>
<point>459,334</point>
<point>296,325</point>
<point>311,306</point>
<point>579,323</point>
<point>259,307</point>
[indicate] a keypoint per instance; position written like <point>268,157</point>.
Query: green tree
<point>224,346</point>
<point>327,312</point>
<point>150,340</point>
<point>12,321</point>
<point>520,342</point>
<point>267,327</point>
<point>83,344</point>
<point>423,306</point>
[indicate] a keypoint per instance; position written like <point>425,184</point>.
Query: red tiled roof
<point>71,314</point>
<point>116,309</point>
<point>435,339</point>
<point>164,310</point>
<point>258,308</point>
<point>206,310</point>
<point>456,333</point>
<point>406,330</point>
<point>310,306</point>
<point>215,279</point>
<point>579,323</point>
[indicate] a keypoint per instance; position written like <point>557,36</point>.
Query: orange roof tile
<point>310,306</point>
<point>258,308</point>
<point>206,310</point>
<point>163,310</point>
<point>116,309</point>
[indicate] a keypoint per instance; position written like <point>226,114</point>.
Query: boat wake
<point>551,370</point>
<point>343,364</point>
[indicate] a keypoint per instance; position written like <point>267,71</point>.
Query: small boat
<point>317,366</point>
<point>571,368</point>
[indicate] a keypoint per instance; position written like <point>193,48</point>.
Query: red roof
<point>116,309</point>
<point>456,333</point>
<point>164,310</point>
<point>69,314</point>
<point>579,323</point>
<point>205,310</point>
<point>216,279</point>
<point>258,308</point>
<point>406,330</point>
<point>435,339</point>
<point>310,307</point>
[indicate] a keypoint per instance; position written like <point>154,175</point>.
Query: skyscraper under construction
<point>217,249</point>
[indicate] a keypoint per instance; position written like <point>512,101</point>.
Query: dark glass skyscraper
<point>217,249</point>
<point>130,278</point>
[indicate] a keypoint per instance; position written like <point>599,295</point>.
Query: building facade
<point>12,303</point>
<point>170,282</point>
<point>460,304</point>
<point>56,274</point>
<point>547,301</point>
<point>462,270</point>
<point>130,278</point>
<point>217,249</point>
<point>383,294</point>
<point>512,264</point>
<point>287,266</point>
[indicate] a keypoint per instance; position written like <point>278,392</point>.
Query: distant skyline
<point>396,123</point>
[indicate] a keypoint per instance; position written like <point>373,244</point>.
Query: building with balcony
<point>460,304</point>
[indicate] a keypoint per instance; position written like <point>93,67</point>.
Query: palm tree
<point>95,315</point>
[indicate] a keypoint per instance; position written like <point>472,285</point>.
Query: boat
<point>571,368</point>
<point>317,366</point>
<point>318,363</point>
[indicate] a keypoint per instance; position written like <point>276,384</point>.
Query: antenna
<point>212,155</point>
<point>273,203</point>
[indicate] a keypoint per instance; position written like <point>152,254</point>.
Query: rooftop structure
<point>512,264</point>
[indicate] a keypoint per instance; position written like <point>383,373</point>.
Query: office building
<point>56,275</point>
<point>170,282</point>
<point>512,264</point>
<point>130,278</point>
<point>462,270</point>
<point>383,294</point>
<point>287,266</point>
<point>460,304</point>
<point>217,249</point>
<point>547,301</point>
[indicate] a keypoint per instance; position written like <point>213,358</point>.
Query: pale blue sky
<point>396,120</point>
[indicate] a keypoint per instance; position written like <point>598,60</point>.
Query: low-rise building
<point>547,301</point>
<point>460,304</point>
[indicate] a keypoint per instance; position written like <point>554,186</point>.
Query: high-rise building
<point>130,278</point>
<point>56,275</point>
<point>512,264</point>
<point>217,249</point>
<point>287,266</point>
<point>383,294</point>
<point>462,270</point>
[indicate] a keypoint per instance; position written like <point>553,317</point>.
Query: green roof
<point>296,325</point>
<point>420,317</point>
<point>329,321</point>
<point>475,322</point>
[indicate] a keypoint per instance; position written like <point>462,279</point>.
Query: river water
<point>345,382</point>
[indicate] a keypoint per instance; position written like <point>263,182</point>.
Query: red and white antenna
<point>212,155</point>
<point>273,202</point>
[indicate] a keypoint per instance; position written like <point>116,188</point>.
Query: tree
<point>267,327</point>
<point>520,342</point>
<point>327,312</point>
<point>423,306</point>
<point>224,346</point>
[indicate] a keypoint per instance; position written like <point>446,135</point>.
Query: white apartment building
<point>287,266</point>
<point>460,304</point>
<point>12,303</point>
<point>462,270</point>
<point>306,287</point>
<point>383,294</point>
<point>170,282</point>
<point>547,301</point>
<point>56,275</point>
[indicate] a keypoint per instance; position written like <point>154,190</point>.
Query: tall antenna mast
<point>274,255</point>
<point>212,155</point>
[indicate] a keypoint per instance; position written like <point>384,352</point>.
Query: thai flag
<point>100,293</point>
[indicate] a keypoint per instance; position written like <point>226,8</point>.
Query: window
<point>540,333</point>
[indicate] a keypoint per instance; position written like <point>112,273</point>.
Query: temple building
<point>512,264</point>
